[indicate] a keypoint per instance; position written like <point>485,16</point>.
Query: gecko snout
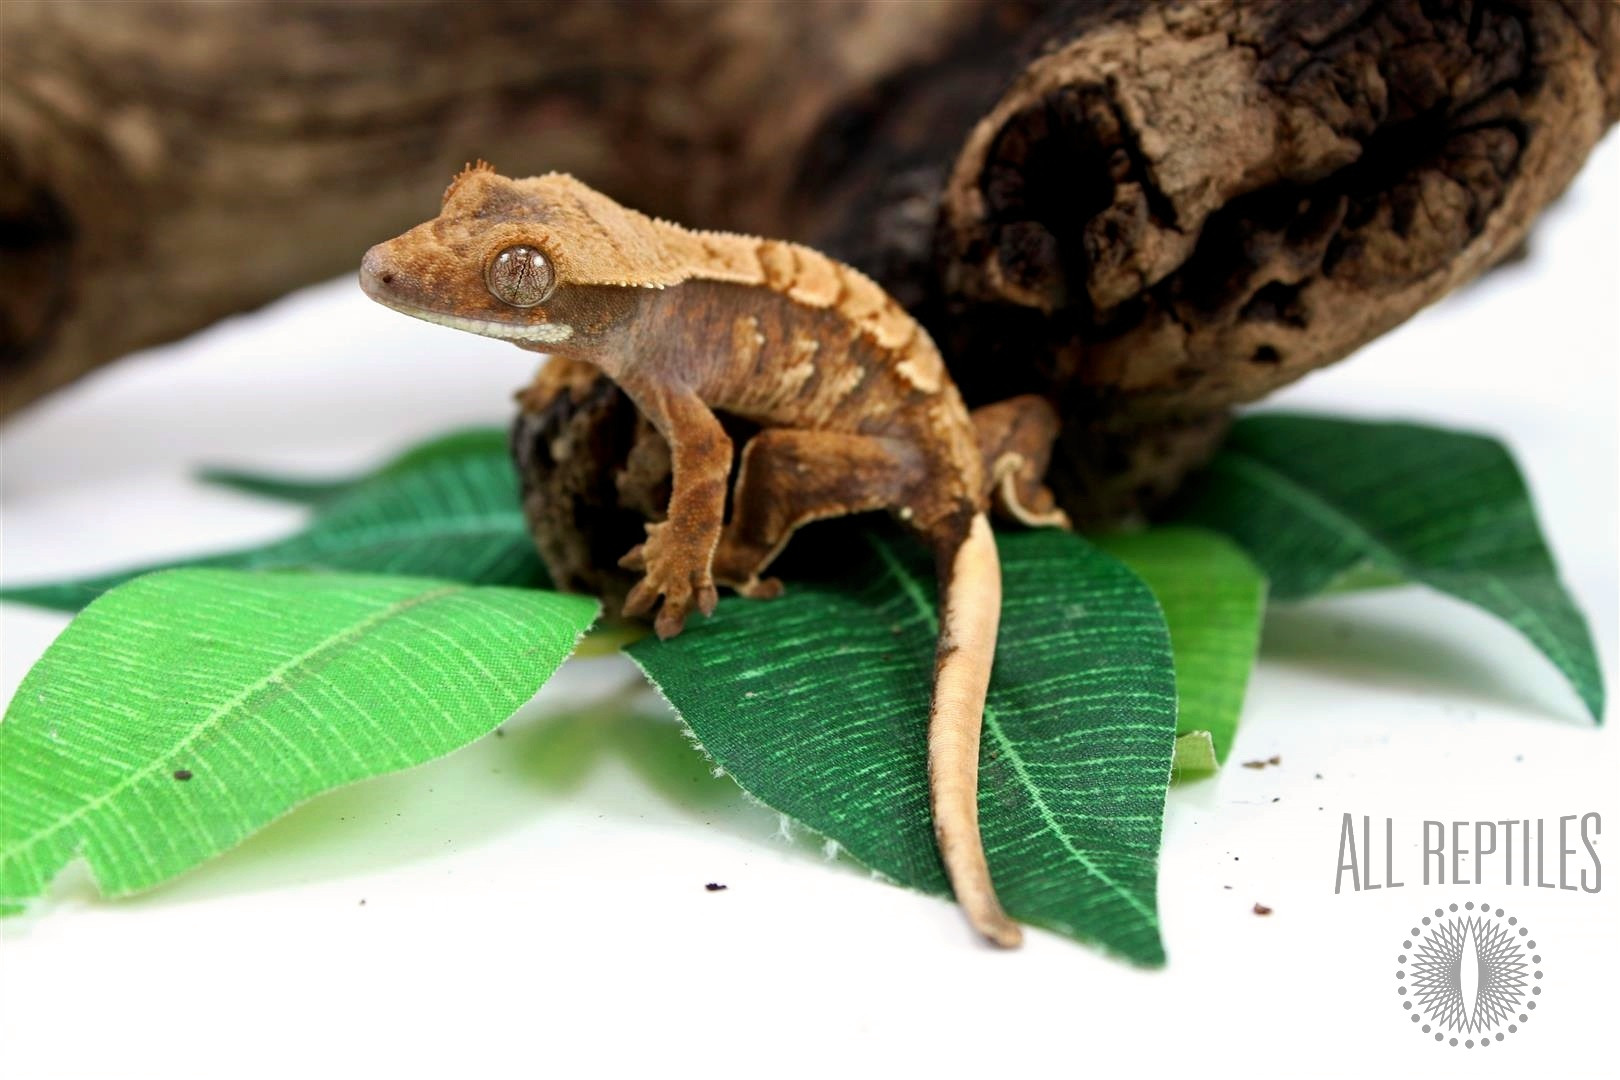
<point>376,272</point>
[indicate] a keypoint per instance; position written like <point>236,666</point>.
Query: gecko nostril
<point>386,277</point>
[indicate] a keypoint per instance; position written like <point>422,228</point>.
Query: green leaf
<point>481,447</point>
<point>272,486</point>
<point>1314,498</point>
<point>1213,599</point>
<point>184,710</point>
<point>449,509</point>
<point>817,704</point>
<point>1194,756</point>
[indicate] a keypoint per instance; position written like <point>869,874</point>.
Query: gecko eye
<point>520,275</point>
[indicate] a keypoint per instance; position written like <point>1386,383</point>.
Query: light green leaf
<point>449,509</point>
<point>1313,499</point>
<point>1194,756</point>
<point>1213,599</point>
<point>1362,577</point>
<point>817,703</point>
<point>479,447</point>
<point>184,710</point>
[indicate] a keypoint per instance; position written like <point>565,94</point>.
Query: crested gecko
<point>855,409</point>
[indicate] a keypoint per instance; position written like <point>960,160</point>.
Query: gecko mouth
<point>375,286</point>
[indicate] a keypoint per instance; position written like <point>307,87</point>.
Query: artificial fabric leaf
<point>481,448</point>
<point>817,704</point>
<point>1213,598</point>
<point>449,509</point>
<point>293,489</point>
<point>1313,498</point>
<point>184,710</point>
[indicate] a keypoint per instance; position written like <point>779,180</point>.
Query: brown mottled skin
<point>855,408</point>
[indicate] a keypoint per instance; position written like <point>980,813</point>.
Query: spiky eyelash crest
<point>466,170</point>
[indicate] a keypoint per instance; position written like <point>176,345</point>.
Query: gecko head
<point>546,262</point>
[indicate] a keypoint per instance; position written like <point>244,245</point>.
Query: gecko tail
<point>970,614</point>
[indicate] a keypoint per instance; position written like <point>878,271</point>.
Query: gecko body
<point>855,409</point>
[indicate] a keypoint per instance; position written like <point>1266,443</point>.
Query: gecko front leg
<point>678,555</point>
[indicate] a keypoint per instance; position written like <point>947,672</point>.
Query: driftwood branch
<point>1152,212</point>
<point>164,163</point>
<point>1180,211</point>
<point>1149,211</point>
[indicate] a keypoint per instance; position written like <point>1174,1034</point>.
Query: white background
<point>535,903</point>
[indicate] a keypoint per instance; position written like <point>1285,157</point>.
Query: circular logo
<point>1468,976</point>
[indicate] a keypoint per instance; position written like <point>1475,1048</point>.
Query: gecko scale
<point>855,408</point>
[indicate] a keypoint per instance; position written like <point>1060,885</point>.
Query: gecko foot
<point>673,572</point>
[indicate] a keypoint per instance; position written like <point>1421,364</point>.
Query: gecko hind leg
<point>790,478</point>
<point>1015,436</point>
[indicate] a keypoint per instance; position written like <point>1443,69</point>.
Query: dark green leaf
<point>1213,599</point>
<point>817,703</point>
<point>1317,501</point>
<point>272,486</point>
<point>478,446</point>
<point>186,709</point>
<point>449,509</point>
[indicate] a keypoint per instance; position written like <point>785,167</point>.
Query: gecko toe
<point>761,589</point>
<point>671,621</point>
<point>635,558</point>
<point>640,600</point>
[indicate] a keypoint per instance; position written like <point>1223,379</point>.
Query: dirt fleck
<point>1274,759</point>
<point>1261,909</point>
<point>715,886</point>
<point>182,774</point>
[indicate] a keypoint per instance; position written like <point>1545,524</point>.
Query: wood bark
<point>1178,212</point>
<point>164,163</point>
<point>1148,210</point>
<point>1153,212</point>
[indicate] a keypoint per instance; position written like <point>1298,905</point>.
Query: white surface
<point>535,903</point>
